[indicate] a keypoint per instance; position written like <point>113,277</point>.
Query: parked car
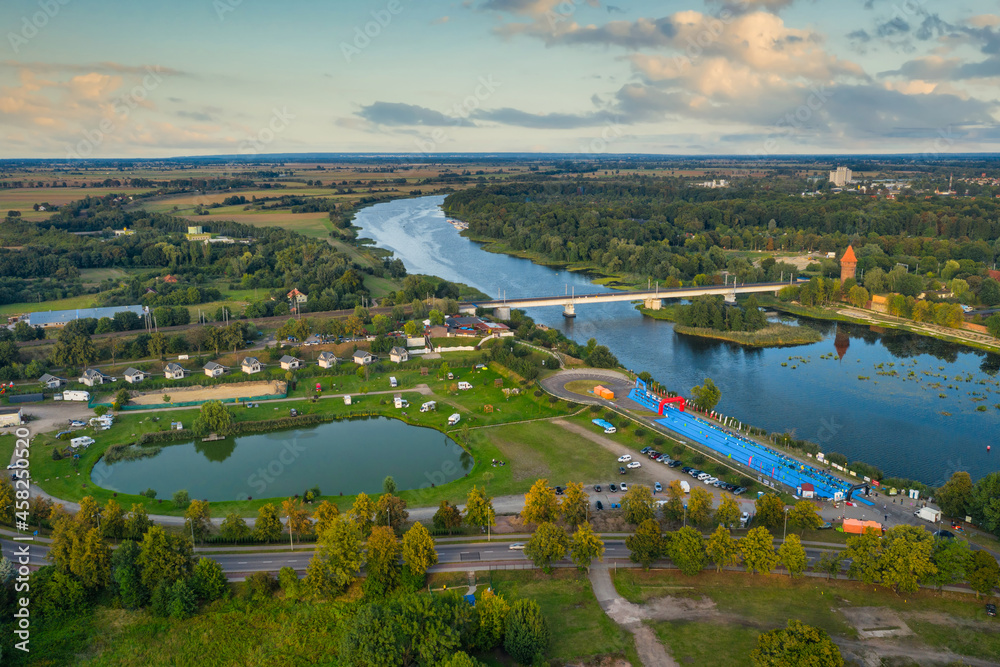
<point>621,470</point>
<point>624,458</point>
<point>654,455</point>
<point>624,487</point>
<point>559,490</point>
<point>597,488</point>
<point>645,450</point>
<point>738,490</point>
<point>744,519</point>
<point>703,476</point>
<point>826,525</point>
<point>709,480</point>
<point>686,470</point>
<point>663,458</point>
<point>991,609</point>
<point>634,464</point>
<point>613,487</point>
<point>599,505</point>
<point>657,487</point>
<point>675,463</point>
<point>517,546</point>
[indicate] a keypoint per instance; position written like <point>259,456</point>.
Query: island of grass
<point>773,335</point>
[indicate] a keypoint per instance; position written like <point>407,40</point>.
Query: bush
<point>259,586</point>
<point>595,409</point>
<point>698,459</point>
<point>539,393</point>
<point>289,582</point>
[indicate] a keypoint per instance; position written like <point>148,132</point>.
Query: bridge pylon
<point>569,310</point>
<point>652,303</point>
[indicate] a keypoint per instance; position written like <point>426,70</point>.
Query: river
<point>905,403</point>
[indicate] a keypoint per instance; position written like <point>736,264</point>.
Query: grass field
<point>82,301</point>
<point>746,605</point>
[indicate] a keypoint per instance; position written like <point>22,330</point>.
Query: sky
<point>146,79</point>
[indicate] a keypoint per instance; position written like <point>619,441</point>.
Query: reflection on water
<point>344,457</point>
<point>896,421</point>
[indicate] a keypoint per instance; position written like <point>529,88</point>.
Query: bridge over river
<point>652,299</point>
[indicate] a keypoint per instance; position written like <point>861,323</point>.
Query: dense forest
<point>668,230</point>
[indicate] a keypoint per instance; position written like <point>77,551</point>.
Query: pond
<point>342,457</point>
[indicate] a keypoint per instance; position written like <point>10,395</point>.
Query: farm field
<point>82,301</point>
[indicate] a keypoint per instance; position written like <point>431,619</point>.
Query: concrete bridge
<point>652,299</point>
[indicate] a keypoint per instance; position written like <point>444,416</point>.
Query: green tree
<point>215,418</point>
<point>91,560</point>
<point>686,549</point>
<point>673,509</point>
<point>805,516</point>
<point>113,520</point>
<point>985,503</point>
<point>758,552</point>
<point>363,513</point>
<point>706,396</point>
<point>183,601</point>
<point>163,557</point>
<point>372,638</point>
<point>436,317</point>
<point>796,644</point>
<point>461,659</point>
<point>722,549</point>
<point>337,560</point>
<point>181,498</point>
<point>540,504</point>
<point>389,485</point>
<point>728,512</point>
<point>391,511</point>
<point>830,562</point>
<point>383,568</point>
<point>137,523</point>
<point>548,544</point>
<point>792,555</point>
<point>89,513</point>
<point>324,515</point>
<point>418,550</point>
<point>526,634</point>
<point>198,520</point>
<point>858,296</point>
<point>646,544</point>
<point>638,504</point>
<point>770,511</point>
<point>983,573</point>
<point>951,558</point>
<point>268,527</point>
<point>906,558</point>
<point>865,553</point>
<point>448,517</point>
<point>479,508</point>
<point>955,496</point>
<point>699,507</point>
<point>585,546</point>
<point>208,580</point>
<point>575,506</point>
<point>128,575</point>
<point>234,527</point>
<point>493,610</point>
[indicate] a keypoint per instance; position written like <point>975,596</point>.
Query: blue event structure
<point>766,462</point>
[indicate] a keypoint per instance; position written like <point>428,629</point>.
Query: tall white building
<point>841,177</point>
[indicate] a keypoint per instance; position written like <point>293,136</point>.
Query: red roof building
<point>848,265</point>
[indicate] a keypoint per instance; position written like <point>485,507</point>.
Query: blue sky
<point>102,78</point>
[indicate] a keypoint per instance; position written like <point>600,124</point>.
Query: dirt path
<point>629,616</point>
<point>870,654</point>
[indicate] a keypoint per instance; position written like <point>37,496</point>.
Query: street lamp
<point>785,531</point>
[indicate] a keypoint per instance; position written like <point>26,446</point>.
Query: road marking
<point>242,562</point>
<point>269,561</point>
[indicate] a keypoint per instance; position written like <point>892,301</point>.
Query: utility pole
<point>785,531</point>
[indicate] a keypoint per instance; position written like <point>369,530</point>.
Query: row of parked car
<point>706,478</point>
<point>661,458</point>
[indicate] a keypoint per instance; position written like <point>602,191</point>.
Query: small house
<point>297,296</point>
<point>134,375</point>
<point>807,490</point>
<point>214,370</point>
<point>327,360</point>
<point>93,377</point>
<point>289,363</point>
<point>10,417</point>
<point>363,358</point>
<point>251,365</point>
<point>175,372</point>
<point>398,355</point>
<point>51,381</point>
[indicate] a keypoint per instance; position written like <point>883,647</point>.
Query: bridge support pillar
<point>653,304</point>
<point>569,310</point>
<point>502,313</point>
<point>731,297</point>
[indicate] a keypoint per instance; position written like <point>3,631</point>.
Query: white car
<point>623,487</point>
<point>634,464</point>
<point>703,476</point>
<point>623,459</point>
<point>516,547</point>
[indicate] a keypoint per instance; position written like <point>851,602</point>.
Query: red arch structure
<point>679,400</point>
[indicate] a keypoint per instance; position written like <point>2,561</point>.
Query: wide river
<point>905,403</point>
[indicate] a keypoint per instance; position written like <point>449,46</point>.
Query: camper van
<point>400,402</point>
<point>429,406</point>
<point>454,419</point>
<point>85,441</point>
<point>464,385</point>
<point>347,399</point>
<point>392,382</point>
<point>76,395</point>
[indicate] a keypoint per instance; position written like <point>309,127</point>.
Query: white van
<point>685,487</point>
<point>400,402</point>
<point>85,441</point>
<point>454,419</point>
<point>464,385</point>
<point>428,406</point>
<point>392,382</point>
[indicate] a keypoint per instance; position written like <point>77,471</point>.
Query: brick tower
<point>848,265</point>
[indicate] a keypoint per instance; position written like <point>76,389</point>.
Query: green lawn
<point>580,628</point>
<point>750,604</point>
<point>82,301</point>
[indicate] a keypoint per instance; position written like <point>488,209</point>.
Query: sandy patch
<point>216,392</point>
<point>876,622</point>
